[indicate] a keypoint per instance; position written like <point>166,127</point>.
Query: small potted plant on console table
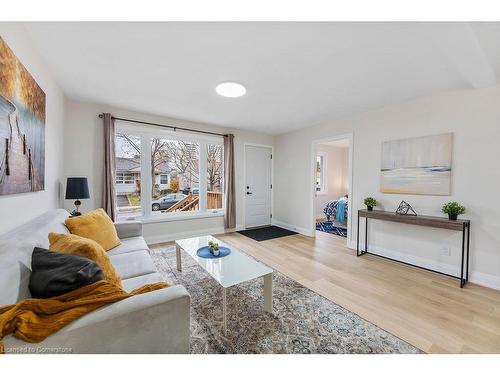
<point>370,202</point>
<point>453,209</point>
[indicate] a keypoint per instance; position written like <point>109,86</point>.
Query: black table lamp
<point>77,188</point>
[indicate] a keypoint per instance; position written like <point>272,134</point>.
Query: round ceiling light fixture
<point>230,89</point>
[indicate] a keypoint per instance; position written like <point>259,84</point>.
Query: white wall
<point>16,209</point>
<point>336,176</point>
<point>84,157</point>
<point>474,118</point>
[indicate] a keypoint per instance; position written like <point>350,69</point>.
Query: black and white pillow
<point>53,273</point>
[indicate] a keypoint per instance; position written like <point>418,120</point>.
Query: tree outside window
<point>214,176</point>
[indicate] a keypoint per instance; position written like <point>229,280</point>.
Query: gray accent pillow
<point>53,273</point>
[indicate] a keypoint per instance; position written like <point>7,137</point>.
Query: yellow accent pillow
<point>95,225</point>
<point>87,248</point>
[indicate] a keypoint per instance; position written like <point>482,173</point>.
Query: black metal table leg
<point>468,243</point>
<point>463,249</point>
<point>366,234</point>
<point>357,240</point>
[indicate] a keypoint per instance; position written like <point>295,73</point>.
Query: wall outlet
<point>446,251</point>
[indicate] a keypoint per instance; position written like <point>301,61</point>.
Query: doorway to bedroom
<point>332,185</point>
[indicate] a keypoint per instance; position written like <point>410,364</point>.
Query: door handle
<point>249,193</point>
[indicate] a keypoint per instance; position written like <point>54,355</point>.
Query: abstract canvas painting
<point>22,127</point>
<point>420,165</point>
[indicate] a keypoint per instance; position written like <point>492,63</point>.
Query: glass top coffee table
<point>230,270</point>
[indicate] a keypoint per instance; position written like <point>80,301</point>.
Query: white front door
<point>257,186</point>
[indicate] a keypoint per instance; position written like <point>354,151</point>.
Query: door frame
<point>243,188</point>
<point>315,143</point>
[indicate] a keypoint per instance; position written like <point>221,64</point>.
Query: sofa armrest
<point>154,322</point>
<point>126,229</point>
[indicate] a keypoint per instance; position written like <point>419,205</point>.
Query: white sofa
<point>154,322</point>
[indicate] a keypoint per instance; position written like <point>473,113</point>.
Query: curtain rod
<point>165,126</point>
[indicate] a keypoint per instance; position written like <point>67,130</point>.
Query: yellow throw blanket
<point>33,320</point>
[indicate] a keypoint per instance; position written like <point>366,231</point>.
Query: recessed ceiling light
<point>230,89</point>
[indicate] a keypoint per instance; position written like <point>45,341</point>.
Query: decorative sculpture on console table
<point>404,208</point>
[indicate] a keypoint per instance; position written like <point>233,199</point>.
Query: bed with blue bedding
<point>337,209</point>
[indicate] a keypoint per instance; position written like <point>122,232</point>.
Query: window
<point>164,179</point>
<point>214,176</point>
<point>163,174</point>
<point>321,173</point>
<point>128,175</point>
<point>125,178</point>
<point>181,159</point>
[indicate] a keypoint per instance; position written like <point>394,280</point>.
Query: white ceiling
<point>296,74</point>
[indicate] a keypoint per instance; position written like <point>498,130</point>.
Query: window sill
<point>160,218</point>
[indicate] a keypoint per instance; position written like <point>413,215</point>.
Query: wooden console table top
<point>428,221</point>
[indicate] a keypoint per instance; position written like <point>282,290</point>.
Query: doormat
<point>266,233</point>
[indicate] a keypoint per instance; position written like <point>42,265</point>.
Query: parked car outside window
<point>166,201</point>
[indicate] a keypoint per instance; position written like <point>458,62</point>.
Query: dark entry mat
<point>266,233</point>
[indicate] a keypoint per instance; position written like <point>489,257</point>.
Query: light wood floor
<point>425,309</point>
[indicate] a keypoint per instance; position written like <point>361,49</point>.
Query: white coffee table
<point>230,270</point>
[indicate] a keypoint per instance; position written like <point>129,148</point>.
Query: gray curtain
<point>108,193</point>
<point>230,215</point>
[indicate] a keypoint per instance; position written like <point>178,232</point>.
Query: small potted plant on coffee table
<point>453,209</point>
<point>370,202</point>
<point>214,247</point>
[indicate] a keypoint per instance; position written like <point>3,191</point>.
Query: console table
<point>427,221</point>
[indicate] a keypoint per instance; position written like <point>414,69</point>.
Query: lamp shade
<point>77,188</point>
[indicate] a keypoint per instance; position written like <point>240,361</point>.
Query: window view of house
<point>128,175</point>
<point>177,189</point>
<point>175,175</point>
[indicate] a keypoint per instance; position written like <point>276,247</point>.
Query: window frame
<point>120,178</point>
<point>323,188</point>
<point>146,134</point>
<point>167,177</point>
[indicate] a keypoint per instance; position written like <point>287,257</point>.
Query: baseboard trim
<point>238,228</point>
<point>479,278</point>
<point>484,279</point>
<point>305,232</point>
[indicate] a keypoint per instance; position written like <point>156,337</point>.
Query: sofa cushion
<point>128,245</point>
<point>16,248</point>
<point>95,225</point>
<point>35,231</point>
<point>14,279</point>
<point>137,282</point>
<point>15,270</point>
<point>53,274</point>
<point>87,248</point>
<point>133,264</point>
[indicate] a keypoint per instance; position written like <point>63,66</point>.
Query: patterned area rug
<point>329,227</point>
<point>302,322</point>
